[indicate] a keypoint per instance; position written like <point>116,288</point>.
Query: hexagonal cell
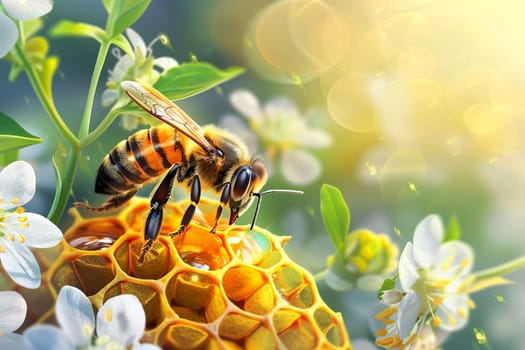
<point>95,234</point>
<point>94,272</point>
<point>262,301</point>
<point>136,216</point>
<point>300,335</point>
<point>237,327</point>
<point>195,297</point>
<point>201,249</point>
<point>261,338</point>
<point>148,296</point>
<point>157,262</point>
<point>181,335</point>
<point>329,324</point>
<point>249,246</point>
<point>240,282</point>
<point>293,286</point>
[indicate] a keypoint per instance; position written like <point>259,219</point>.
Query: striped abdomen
<point>141,157</point>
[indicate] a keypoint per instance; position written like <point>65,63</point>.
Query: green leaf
<point>66,28</point>
<point>124,44</point>
<point>192,78</point>
<point>13,136</point>
<point>8,157</point>
<point>31,26</point>
<point>122,14</point>
<point>336,215</point>
<point>388,283</point>
<point>453,232</point>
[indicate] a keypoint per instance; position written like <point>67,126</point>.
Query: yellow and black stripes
<point>143,156</point>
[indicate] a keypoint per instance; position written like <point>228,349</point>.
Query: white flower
<point>13,310</point>
<point>283,132</point>
<point>433,276</point>
<point>120,323</point>
<point>19,229</point>
<point>143,68</point>
<point>22,10</point>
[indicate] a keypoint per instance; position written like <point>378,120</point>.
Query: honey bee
<point>199,158</point>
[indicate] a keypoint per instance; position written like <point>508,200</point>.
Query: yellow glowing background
<point>424,101</point>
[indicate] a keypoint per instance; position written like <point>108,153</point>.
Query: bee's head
<point>246,182</point>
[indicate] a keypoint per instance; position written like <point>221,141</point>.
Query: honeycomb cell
<point>301,335</point>
<point>237,327</point>
<point>287,279</point>
<point>192,293</point>
<point>240,282</point>
<point>262,301</point>
<point>95,234</point>
<point>94,271</point>
<point>261,338</point>
<point>251,247</point>
<point>201,249</point>
<point>157,262</point>
<point>148,296</point>
<point>184,336</point>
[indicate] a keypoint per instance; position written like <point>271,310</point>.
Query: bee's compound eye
<point>219,153</point>
<point>241,183</point>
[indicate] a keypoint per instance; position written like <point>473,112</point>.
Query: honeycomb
<point>236,289</point>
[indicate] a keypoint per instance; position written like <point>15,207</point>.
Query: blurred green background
<point>423,101</point>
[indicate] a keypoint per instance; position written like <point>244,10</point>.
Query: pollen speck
<point>108,315</point>
<point>14,200</point>
<point>21,238</point>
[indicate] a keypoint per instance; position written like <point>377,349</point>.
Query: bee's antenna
<point>259,200</point>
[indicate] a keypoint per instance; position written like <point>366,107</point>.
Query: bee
<point>199,158</point>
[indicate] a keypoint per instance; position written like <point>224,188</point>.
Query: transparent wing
<point>156,104</point>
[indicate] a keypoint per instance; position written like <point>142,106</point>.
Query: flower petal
<point>299,167</point>
<point>122,319</point>
<point>17,183</point>
<point>407,267</point>
<point>47,337</point>
<point>427,239</point>
<point>246,103</point>
<point>315,138</point>
<point>9,34</point>
<point>15,341</point>
<point>453,260</point>
<point>281,108</point>
<point>145,346</point>
<point>74,313</point>
<point>453,312</point>
<point>13,310</point>
<point>136,41</point>
<point>20,263</point>
<point>408,311</point>
<point>27,9</point>
<point>165,63</point>
<point>40,232</point>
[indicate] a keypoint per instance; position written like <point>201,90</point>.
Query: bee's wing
<point>156,104</point>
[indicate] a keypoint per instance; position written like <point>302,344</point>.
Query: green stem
<point>321,275</point>
<point>102,127</point>
<point>45,99</point>
<point>72,143</point>
<point>64,184</point>
<point>501,270</point>
<point>97,70</point>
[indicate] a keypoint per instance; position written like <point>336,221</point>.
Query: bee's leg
<point>112,203</point>
<point>154,220</point>
<point>225,197</point>
<point>195,196</point>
